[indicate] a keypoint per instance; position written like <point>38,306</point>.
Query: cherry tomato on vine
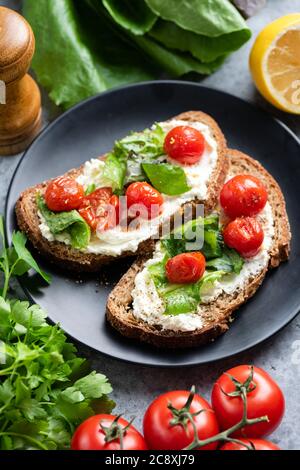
<point>243,195</point>
<point>64,194</point>
<point>166,426</point>
<point>143,200</point>
<point>107,432</point>
<point>185,268</point>
<point>184,144</point>
<point>258,444</point>
<point>245,235</point>
<point>264,397</point>
<point>99,209</point>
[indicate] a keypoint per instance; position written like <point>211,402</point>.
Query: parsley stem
<point>30,439</point>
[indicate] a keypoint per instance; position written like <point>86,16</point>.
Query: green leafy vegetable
<point>96,59</point>
<point>204,48</point>
<point>166,178</point>
<point>128,41</point>
<point>222,261</point>
<point>70,222</point>
<point>90,189</point>
<point>211,18</point>
<point>46,391</point>
<point>133,15</point>
<point>114,171</point>
<point>229,261</point>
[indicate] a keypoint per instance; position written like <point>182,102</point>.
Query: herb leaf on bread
<point>70,222</point>
<point>184,298</point>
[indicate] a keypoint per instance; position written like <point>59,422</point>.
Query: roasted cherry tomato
<point>243,195</point>
<point>185,268</point>
<point>166,429</point>
<point>184,144</point>
<point>103,432</point>
<point>143,200</point>
<point>264,398</point>
<point>258,444</point>
<point>98,210</point>
<point>64,194</point>
<point>245,235</point>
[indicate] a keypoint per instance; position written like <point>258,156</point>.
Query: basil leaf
<point>167,179</point>
<point>70,222</point>
<point>230,261</point>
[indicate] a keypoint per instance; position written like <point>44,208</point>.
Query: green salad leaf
<point>166,178</point>
<point>133,15</point>
<point>203,48</point>
<point>97,58</point>
<point>211,18</point>
<point>184,298</point>
<point>229,261</point>
<point>70,222</point>
<point>114,171</point>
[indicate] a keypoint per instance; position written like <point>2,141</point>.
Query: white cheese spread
<point>117,240</point>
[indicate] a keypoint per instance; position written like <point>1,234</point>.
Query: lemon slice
<point>275,63</point>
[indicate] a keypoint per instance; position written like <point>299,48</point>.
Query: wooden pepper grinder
<point>20,116</point>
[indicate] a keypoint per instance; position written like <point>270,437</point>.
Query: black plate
<point>89,130</point>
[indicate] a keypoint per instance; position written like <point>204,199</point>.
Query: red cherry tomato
<point>98,210</point>
<point>243,195</point>
<point>185,268</point>
<point>115,203</point>
<point>143,200</point>
<point>91,436</point>
<point>159,432</point>
<point>265,399</point>
<point>259,444</point>
<point>184,144</point>
<point>64,194</point>
<point>245,235</point>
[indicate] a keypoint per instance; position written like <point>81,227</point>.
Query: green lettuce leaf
<point>205,17</point>
<point>202,48</point>
<point>133,15</point>
<point>166,178</point>
<point>97,58</point>
<point>229,261</point>
<point>70,222</point>
<point>114,172</point>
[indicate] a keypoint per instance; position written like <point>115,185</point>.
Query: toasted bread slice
<point>216,315</point>
<point>75,260</point>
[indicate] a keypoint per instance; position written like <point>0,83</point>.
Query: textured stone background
<point>135,386</point>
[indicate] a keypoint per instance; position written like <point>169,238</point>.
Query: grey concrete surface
<point>135,386</point>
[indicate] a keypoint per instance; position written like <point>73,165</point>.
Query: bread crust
<point>218,315</point>
<point>71,259</point>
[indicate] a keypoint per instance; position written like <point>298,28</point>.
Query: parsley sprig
<point>46,390</point>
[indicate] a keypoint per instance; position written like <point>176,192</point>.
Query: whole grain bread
<point>217,316</point>
<point>69,258</point>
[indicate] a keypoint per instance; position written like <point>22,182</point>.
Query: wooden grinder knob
<point>20,116</point>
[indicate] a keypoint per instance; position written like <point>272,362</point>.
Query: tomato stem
<point>241,390</point>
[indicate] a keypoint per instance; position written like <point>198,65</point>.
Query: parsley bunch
<point>45,389</point>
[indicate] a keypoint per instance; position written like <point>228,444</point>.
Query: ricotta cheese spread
<point>118,239</point>
<point>149,307</point>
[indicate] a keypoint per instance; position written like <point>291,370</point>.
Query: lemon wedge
<point>275,63</point>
